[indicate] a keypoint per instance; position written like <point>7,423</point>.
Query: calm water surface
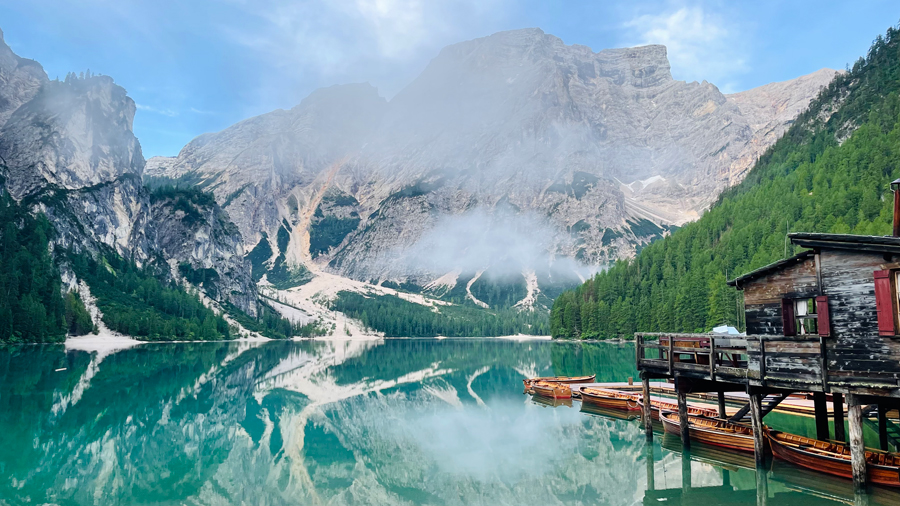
<point>372,423</point>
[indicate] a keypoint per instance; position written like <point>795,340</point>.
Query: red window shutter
<point>822,311</point>
<point>787,317</point>
<point>884,303</point>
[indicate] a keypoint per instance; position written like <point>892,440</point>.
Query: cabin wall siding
<point>855,348</point>
<point>763,295</point>
<point>763,319</point>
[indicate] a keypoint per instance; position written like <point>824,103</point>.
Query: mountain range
<point>509,169</point>
<point>510,155</point>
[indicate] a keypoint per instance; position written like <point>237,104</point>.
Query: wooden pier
<point>824,323</point>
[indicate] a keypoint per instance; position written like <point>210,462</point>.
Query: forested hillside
<point>828,173</point>
<point>31,301</point>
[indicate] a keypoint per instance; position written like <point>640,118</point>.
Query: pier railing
<point>788,361</point>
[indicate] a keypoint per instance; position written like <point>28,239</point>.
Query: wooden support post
<point>648,408</point>
<point>686,470</point>
<point>759,442</point>
<point>838,408</point>
<point>762,487</point>
<point>722,413</point>
<point>882,426</point>
<point>683,419</point>
<point>821,407</point>
<point>712,359</point>
<point>648,457</point>
<point>857,445</point>
<point>671,356</point>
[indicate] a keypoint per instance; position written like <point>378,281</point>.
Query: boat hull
<point>621,402</point>
<point>528,382</point>
<point>832,463</point>
<point>723,437</point>
<point>656,407</point>
<point>552,390</point>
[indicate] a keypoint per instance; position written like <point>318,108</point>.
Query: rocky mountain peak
<point>70,135</point>
<point>20,80</point>
<point>605,147</point>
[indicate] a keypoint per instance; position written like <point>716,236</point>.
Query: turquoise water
<point>410,422</point>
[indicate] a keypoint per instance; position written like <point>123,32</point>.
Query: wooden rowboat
<point>559,379</point>
<point>610,399</point>
<point>833,458</point>
<point>657,406</point>
<point>711,431</point>
<point>552,390</point>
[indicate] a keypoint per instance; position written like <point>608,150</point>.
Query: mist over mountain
<point>604,149</point>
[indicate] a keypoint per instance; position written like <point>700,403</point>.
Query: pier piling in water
<point>838,407</point>
<point>756,416</point>
<point>821,409</point>
<point>648,409</point>
<point>857,445</point>
<point>722,413</point>
<point>683,417</point>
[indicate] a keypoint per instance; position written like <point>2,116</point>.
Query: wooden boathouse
<point>825,321</point>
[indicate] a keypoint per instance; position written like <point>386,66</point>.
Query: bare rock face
<point>71,135</point>
<point>606,148</point>
<point>20,80</point>
<point>203,245</point>
<point>771,109</point>
<point>68,150</point>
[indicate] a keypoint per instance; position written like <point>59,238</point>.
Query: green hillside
<point>828,173</point>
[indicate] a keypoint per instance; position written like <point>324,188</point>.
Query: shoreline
<point>109,343</point>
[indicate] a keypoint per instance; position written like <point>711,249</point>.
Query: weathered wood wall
<point>856,353</point>
<point>762,296</point>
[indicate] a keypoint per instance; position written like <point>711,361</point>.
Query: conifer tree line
<point>829,173</point>
<point>31,302</point>
<point>138,302</point>
<point>396,317</point>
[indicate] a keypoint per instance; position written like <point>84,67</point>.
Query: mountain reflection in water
<point>342,422</point>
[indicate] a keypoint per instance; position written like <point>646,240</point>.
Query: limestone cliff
<point>67,149</point>
<point>601,151</point>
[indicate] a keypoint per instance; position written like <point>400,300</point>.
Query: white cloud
<point>156,110</point>
<point>343,40</point>
<point>701,45</point>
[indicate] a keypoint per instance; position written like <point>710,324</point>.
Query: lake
<point>409,422</point>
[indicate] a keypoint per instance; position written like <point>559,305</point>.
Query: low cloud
<point>503,243</point>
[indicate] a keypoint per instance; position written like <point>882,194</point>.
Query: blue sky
<point>200,66</point>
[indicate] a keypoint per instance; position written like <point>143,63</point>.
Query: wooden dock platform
<point>796,405</point>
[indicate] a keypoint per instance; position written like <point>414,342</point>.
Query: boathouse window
<point>807,318</point>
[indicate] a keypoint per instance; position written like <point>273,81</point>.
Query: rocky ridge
<point>606,150</point>
<point>67,149</point>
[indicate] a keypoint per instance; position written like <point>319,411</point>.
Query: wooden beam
<point>671,355</point>
<point>821,408</point>
<point>882,427</point>
<point>722,413</point>
<point>648,457</point>
<point>686,481</point>
<point>683,419</point>
<point>838,408</point>
<point>759,444</point>
<point>648,419</point>
<point>857,445</point>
